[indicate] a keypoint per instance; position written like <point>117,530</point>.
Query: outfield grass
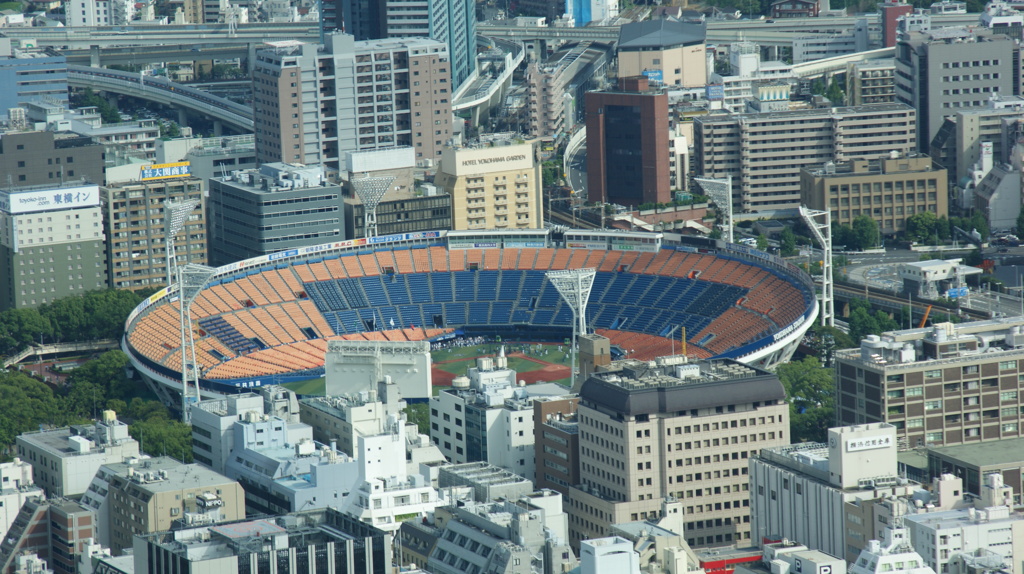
<point>316,386</point>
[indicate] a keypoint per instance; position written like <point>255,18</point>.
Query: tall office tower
<point>941,72</point>
<point>650,432</point>
<point>627,143</point>
<point>51,243</point>
<point>313,106</point>
<point>450,21</point>
<point>763,153</point>
<point>275,208</point>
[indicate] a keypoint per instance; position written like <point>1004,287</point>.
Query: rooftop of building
<point>996,339</point>
<point>987,453</point>
<point>896,163</point>
<point>276,533</point>
<point>660,33</point>
<point>954,35</point>
<point>56,441</point>
<point>789,114</point>
<point>960,517</point>
<point>277,177</point>
<point>165,474</point>
<point>672,384</point>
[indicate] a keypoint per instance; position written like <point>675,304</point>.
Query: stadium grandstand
<point>267,320</point>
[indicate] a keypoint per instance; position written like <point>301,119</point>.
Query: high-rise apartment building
<point>312,106</point>
<point>763,153</point>
<point>51,243</point>
<point>627,144</point>
<point>940,72</point>
<point>673,429</point>
<point>870,82</point>
<point>276,207</point>
<point>452,22</point>
<point>951,384</point>
<point>492,187</point>
<point>137,233</point>
<point>887,190</point>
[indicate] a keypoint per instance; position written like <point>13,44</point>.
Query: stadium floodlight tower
<point>191,280</point>
<point>820,223</point>
<point>370,191</point>
<point>175,216</point>
<point>574,286</point>
<point>720,190</point>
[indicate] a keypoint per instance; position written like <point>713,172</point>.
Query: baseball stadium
<point>267,320</point>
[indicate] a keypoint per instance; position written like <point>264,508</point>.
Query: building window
<point>1008,396</point>
<point>1007,365</point>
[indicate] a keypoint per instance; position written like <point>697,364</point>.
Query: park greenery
<point>811,395</point>
<point>98,384</point>
<point>94,316</point>
<point>860,235</point>
<point>927,228</point>
<point>88,98</point>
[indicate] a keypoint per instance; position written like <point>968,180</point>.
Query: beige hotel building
<point>492,187</point>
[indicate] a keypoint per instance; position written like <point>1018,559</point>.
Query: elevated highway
<point>779,32</point>
<point>196,36</point>
<point>161,90</point>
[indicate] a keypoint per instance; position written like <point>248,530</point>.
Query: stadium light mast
<point>720,190</point>
<point>370,191</point>
<point>822,232</point>
<point>574,286</point>
<point>191,280</point>
<point>175,216</point>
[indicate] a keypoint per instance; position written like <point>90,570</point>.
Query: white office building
<point>487,416</point>
<point>801,492</point>
<point>613,555</point>
<point>990,526</point>
<point>65,460</point>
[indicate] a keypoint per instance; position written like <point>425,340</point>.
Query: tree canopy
<point>95,315</point>
<point>811,394</point>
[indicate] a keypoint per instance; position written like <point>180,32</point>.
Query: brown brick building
<point>557,442</point>
<point>627,144</point>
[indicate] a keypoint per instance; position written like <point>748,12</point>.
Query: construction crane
<point>924,319</point>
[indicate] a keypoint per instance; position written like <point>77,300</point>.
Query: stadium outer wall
<point>766,352</point>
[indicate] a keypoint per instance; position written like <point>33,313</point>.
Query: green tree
<point>787,242</point>
<point>419,414</point>
<point>979,223</point>
<point>1020,224</point>
<point>921,226</point>
<point>87,97</point>
<point>107,372</point>
<point>762,242</point>
<point>811,394</point>
<point>835,92</point>
<point>865,232</point>
<point>159,436</point>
